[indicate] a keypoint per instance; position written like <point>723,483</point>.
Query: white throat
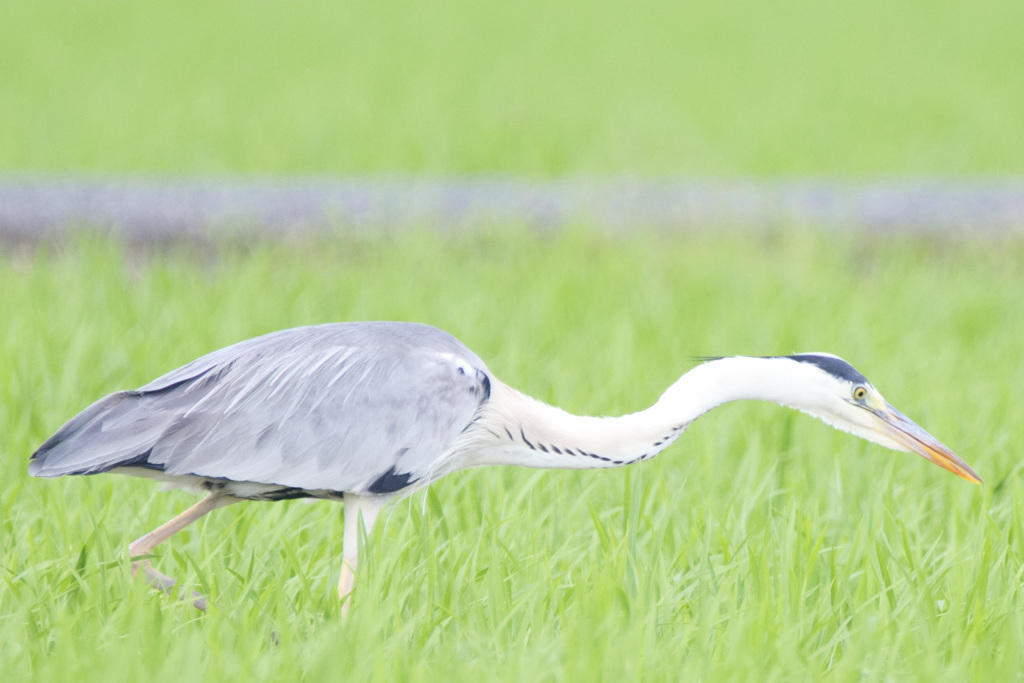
<point>518,430</point>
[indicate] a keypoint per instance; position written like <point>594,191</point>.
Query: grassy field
<point>539,89</point>
<point>762,546</point>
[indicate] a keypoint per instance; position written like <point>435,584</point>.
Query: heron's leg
<point>359,511</point>
<point>145,545</point>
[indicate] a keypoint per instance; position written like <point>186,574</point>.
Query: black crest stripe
<point>833,366</point>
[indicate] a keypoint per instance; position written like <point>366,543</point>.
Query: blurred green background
<point>763,546</point>
<point>538,89</point>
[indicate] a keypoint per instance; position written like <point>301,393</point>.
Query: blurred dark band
<point>37,207</point>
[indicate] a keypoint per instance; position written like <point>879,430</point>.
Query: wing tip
<point>35,466</point>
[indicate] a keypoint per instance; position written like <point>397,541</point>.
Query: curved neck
<point>534,434</point>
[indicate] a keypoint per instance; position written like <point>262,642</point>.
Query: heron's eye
<point>860,392</point>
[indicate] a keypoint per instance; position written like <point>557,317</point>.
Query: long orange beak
<point>905,431</point>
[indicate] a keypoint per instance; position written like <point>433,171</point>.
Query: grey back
<point>354,407</point>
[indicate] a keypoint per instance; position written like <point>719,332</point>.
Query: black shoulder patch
<point>390,481</point>
<point>836,367</point>
<point>485,384</point>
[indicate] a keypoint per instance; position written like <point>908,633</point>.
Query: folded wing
<point>359,407</point>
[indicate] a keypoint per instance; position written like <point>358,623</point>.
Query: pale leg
<point>145,545</point>
<point>360,514</point>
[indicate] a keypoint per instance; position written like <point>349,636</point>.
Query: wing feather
<point>338,407</point>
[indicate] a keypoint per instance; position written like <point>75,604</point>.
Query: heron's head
<point>833,391</point>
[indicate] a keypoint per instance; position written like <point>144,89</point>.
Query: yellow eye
<point>860,393</point>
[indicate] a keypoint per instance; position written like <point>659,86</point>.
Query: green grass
<point>762,546</point>
<point>736,88</point>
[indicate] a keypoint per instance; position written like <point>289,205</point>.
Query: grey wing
<point>359,407</point>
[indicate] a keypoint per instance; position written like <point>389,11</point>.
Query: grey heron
<point>367,412</point>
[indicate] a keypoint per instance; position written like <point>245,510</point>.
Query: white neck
<point>518,430</point>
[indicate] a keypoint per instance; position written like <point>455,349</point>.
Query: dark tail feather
<point>112,432</point>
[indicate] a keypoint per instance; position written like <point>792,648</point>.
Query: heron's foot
<point>166,584</point>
